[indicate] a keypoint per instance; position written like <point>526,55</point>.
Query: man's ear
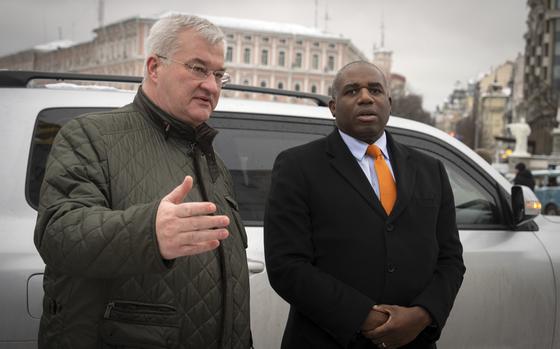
<point>332,107</point>
<point>151,67</point>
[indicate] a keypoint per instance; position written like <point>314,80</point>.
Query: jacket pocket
<point>237,218</point>
<point>139,325</point>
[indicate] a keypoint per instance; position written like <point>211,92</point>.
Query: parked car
<point>510,295</point>
<point>547,190</point>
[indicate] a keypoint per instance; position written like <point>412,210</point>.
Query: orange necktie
<point>387,187</point>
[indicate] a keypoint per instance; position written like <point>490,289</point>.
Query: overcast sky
<point>435,43</point>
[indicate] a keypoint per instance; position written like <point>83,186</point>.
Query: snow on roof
<point>69,86</point>
<point>263,26</point>
<point>54,45</point>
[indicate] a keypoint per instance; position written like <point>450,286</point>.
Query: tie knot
<point>373,151</point>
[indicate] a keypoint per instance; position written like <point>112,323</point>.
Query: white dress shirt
<point>358,150</point>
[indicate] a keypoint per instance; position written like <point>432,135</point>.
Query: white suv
<point>510,295</point>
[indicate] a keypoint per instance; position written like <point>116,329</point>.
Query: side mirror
<point>524,204</point>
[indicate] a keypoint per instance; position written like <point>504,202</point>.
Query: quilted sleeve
<point>77,233</point>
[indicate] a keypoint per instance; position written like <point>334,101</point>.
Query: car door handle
<point>255,266</point>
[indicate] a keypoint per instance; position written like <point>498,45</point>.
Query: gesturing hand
<point>184,229</point>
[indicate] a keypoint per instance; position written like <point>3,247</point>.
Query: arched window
<point>315,62</point>
<point>281,58</point>
<point>331,63</point>
<point>229,54</point>
<point>247,56</point>
<point>299,60</point>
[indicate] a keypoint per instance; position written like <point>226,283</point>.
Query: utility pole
<point>476,116</point>
<point>327,18</point>
<point>100,12</point>
<point>317,14</point>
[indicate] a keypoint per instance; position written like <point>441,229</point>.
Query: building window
<point>247,56</point>
<point>299,42</point>
<point>281,58</point>
<point>313,89</point>
<point>230,36</point>
<point>332,45</point>
<point>248,37</point>
<point>229,54</point>
<point>297,87</point>
<point>299,60</point>
<point>315,62</point>
<point>265,39</point>
<point>316,44</point>
<point>282,41</point>
<point>330,65</point>
<point>280,85</point>
<point>263,83</point>
<point>245,82</point>
<point>330,91</point>
<point>264,57</point>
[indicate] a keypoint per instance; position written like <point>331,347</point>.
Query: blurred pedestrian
<point>524,176</point>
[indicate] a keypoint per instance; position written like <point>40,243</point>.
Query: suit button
<point>390,227</point>
<point>391,268</point>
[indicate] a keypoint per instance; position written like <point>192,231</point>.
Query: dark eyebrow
<point>369,85</point>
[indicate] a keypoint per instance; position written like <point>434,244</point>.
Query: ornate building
<point>259,53</point>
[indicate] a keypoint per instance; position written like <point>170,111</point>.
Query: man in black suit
<point>358,274</point>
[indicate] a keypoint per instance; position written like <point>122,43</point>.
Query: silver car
<point>510,295</point>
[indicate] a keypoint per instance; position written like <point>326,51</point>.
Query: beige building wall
<point>502,75</point>
<point>310,59</point>
<point>492,111</point>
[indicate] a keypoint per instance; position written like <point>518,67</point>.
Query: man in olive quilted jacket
<point>138,225</point>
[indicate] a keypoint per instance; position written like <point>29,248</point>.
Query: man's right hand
<point>184,229</point>
<point>374,319</point>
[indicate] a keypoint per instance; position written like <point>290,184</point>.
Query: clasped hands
<point>188,228</point>
<point>392,326</point>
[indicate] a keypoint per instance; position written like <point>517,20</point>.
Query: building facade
<point>258,53</point>
<point>542,71</point>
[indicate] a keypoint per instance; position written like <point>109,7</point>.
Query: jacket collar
<point>203,135</point>
<point>345,164</point>
<point>197,139</point>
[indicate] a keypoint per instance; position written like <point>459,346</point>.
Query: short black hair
<point>520,166</point>
<point>336,80</point>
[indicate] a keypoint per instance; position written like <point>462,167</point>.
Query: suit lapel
<point>405,175</point>
<point>345,164</point>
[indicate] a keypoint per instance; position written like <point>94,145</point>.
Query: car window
<point>248,145</point>
<point>473,205</point>
<point>48,123</point>
<point>249,148</point>
<point>477,203</point>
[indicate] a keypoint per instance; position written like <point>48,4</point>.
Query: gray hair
<point>163,38</point>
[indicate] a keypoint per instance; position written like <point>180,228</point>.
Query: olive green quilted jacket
<point>106,284</point>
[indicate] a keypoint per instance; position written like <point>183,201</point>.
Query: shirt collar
<point>358,147</point>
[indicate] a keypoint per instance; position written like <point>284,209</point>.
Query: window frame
<point>442,150</point>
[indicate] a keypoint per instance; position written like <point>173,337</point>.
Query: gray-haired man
<point>137,222</point>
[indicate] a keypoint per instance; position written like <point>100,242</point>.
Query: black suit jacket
<point>332,252</point>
